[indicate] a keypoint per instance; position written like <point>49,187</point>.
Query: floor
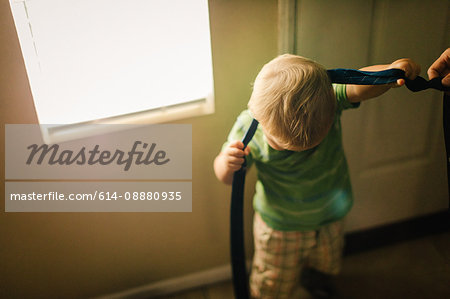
<point>414,269</point>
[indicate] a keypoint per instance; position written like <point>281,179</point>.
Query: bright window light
<point>95,59</point>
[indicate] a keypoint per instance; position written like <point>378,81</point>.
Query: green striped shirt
<point>300,190</point>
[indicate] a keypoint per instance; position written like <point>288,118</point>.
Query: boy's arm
<point>229,161</point>
<point>358,93</point>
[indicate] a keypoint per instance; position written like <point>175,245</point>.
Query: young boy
<point>303,190</point>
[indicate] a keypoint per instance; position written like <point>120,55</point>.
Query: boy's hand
<point>229,161</point>
<point>412,70</point>
<point>234,155</point>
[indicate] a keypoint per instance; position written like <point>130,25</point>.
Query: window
<point>116,61</point>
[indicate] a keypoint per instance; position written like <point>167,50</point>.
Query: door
<point>394,144</point>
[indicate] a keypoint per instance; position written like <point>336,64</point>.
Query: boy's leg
<point>324,261</point>
<point>326,257</point>
<point>277,259</point>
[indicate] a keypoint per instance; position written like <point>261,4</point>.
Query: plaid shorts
<point>280,255</point>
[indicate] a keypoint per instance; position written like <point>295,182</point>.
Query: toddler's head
<point>294,102</point>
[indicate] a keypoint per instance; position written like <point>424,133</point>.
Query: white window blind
<point>95,59</point>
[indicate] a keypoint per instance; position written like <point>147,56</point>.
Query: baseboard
<point>177,284</point>
<point>397,232</point>
<point>355,242</point>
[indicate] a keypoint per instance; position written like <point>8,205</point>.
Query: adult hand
<point>441,68</point>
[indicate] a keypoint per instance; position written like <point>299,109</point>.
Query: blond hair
<point>294,101</point>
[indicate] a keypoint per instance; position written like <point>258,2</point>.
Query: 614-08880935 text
<point>164,195</point>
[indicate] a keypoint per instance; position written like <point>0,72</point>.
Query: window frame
<point>62,132</point>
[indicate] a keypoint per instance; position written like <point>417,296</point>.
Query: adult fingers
<point>441,67</point>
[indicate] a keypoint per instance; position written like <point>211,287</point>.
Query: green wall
<point>89,254</point>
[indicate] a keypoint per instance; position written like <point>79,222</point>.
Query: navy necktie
<point>349,76</point>
<point>343,76</point>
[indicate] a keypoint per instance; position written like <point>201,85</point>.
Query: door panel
<point>394,144</point>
